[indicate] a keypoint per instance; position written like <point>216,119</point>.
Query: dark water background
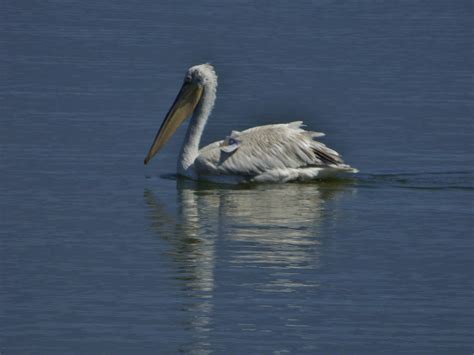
<point>100,255</point>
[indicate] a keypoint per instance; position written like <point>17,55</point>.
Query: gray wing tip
<point>350,169</point>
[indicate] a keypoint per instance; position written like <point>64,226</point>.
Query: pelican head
<point>197,79</point>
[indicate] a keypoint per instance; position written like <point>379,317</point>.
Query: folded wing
<point>265,148</point>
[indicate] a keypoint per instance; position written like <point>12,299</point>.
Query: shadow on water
<point>270,228</point>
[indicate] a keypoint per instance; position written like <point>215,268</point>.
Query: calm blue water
<point>101,255</point>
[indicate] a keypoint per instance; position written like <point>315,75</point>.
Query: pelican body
<point>271,153</point>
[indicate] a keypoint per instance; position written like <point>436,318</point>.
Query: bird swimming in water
<point>272,153</point>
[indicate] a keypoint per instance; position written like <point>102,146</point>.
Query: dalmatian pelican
<point>271,153</point>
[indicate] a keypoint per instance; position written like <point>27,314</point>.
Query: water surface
<point>100,254</point>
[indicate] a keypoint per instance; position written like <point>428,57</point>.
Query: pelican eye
<point>231,141</point>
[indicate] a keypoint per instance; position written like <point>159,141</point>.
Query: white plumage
<point>270,153</point>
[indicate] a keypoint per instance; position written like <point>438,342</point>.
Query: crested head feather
<point>203,74</point>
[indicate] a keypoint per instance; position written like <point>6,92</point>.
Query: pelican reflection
<point>263,224</point>
<point>269,231</point>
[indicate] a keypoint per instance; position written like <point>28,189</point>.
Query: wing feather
<point>266,148</point>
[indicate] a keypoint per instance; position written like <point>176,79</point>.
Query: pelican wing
<point>265,148</point>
